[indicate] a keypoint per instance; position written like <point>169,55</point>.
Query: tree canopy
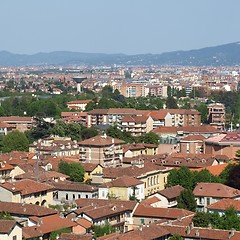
<point>186,200</point>
<point>15,141</point>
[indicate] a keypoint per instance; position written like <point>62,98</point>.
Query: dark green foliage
<point>229,220</point>
<point>150,137</point>
<point>55,234</point>
<point>186,200</point>
<point>171,103</point>
<point>6,216</point>
<point>202,108</point>
<point>114,132</point>
<point>100,230</point>
<point>74,170</point>
<point>224,175</point>
<point>205,176</point>
<point>88,133</point>
<point>183,177</point>
<point>233,179</point>
<point>15,141</point>
<point>175,237</point>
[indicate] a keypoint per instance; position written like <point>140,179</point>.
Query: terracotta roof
<point>73,186</point>
<point>123,181</point>
<point>47,224</point>
<point>150,200</point>
<point>100,141</point>
<point>215,190</point>
<point>79,102</point>
<point>193,138</point>
<point>84,223</point>
<point>225,204</point>
<point>25,209</point>
<point>171,192</point>
<point>83,202</point>
<point>26,186</point>
<point>89,167</point>
<point>136,119</point>
<point>72,236</point>
<point>215,169</point>
<point>16,119</point>
<point>162,213</point>
<point>6,226</point>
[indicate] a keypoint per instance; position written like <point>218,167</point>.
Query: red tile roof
<point>6,226</point>
<point>100,141</point>
<point>225,204</point>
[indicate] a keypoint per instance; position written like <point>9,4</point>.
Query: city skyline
<point>129,27</point>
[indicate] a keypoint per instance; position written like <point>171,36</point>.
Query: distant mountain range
<point>223,55</point>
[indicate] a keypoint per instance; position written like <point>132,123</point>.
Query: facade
<point>74,117</point>
<point>55,146</point>
<point>78,104</point>
<point>18,123</point>
<point>27,191</point>
<point>102,150</point>
<point>137,125</point>
<point>224,144</point>
<point>209,193</point>
<point>137,149</point>
<point>122,188</point>
<point>10,230</point>
<point>216,115</point>
<point>90,170</point>
<point>192,144</point>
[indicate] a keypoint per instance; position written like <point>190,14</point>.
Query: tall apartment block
<point>216,115</point>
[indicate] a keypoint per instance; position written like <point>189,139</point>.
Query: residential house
<point>209,193</point>
<point>90,169</point>
<point>26,191</point>
<point>154,177</point>
<point>102,150</point>
<point>144,215</point>
<point>18,123</point>
<point>74,117</point>
<point>10,230</point>
<point>122,188</point>
<point>224,144</point>
<point>55,146</point>
<point>222,205</point>
<point>66,191</point>
<point>6,171</point>
<point>99,211</point>
<point>78,104</point>
<point>5,128</point>
<point>168,196</point>
<point>137,149</point>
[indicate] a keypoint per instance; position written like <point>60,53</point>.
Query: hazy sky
<point>117,26</point>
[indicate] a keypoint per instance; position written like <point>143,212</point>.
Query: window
<point>208,201</point>
<point>142,221</point>
<point>73,196</point>
<point>14,237</point>
<point>66,196</point>
<point>79,196</point>
<point>86,196</point>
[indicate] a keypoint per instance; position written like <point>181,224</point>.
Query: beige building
<point>27,191</point>
<point>192,144</point>
<point>10,230</point>
<point>102,150</point>
<point>137,149</point>
<point>131,89</point>
<point>137,125</point>
<point>55,146</point>
<point>78,104</point>
<point>18,123</point>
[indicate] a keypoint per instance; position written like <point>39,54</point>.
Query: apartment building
<point>137,125</point>
<point>216,115</point>
<point>78,104</point>
<point>130,89</point>
<point>102,150</point>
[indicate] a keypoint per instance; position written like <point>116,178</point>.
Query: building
<point>55,146</point>
<point>122,188</point>
<point>209,193</point>
<point>18,123</point>
<point>74,117</point>
<point>216,115</point>
<point>224,144</point>
<point>102,150</point>
<point>137,149</point>
<point>192,144</point>
<point>137,125</point>
<point>27,191</point>
<point>78,104</point>
<point>10,230</point>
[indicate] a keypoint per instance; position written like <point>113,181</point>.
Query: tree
<point>186,200</point>
<point>182,176</point>
<point>205,176</point>
<point>100,230</point>
<point>201,219</point>
<point>89,133</point>
<point>15,141</point>
<point>175,237</point>
<point>150,137</point>
<point>202,108</point>
<point>233,179</point>
<point>74,170</point>
<point>171,103</point>
<point>224,175</point>
<point>230,220</point>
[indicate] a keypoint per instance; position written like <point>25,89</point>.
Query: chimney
<point>231,233</point>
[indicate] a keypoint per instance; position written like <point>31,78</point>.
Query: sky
<point>117,26</point>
